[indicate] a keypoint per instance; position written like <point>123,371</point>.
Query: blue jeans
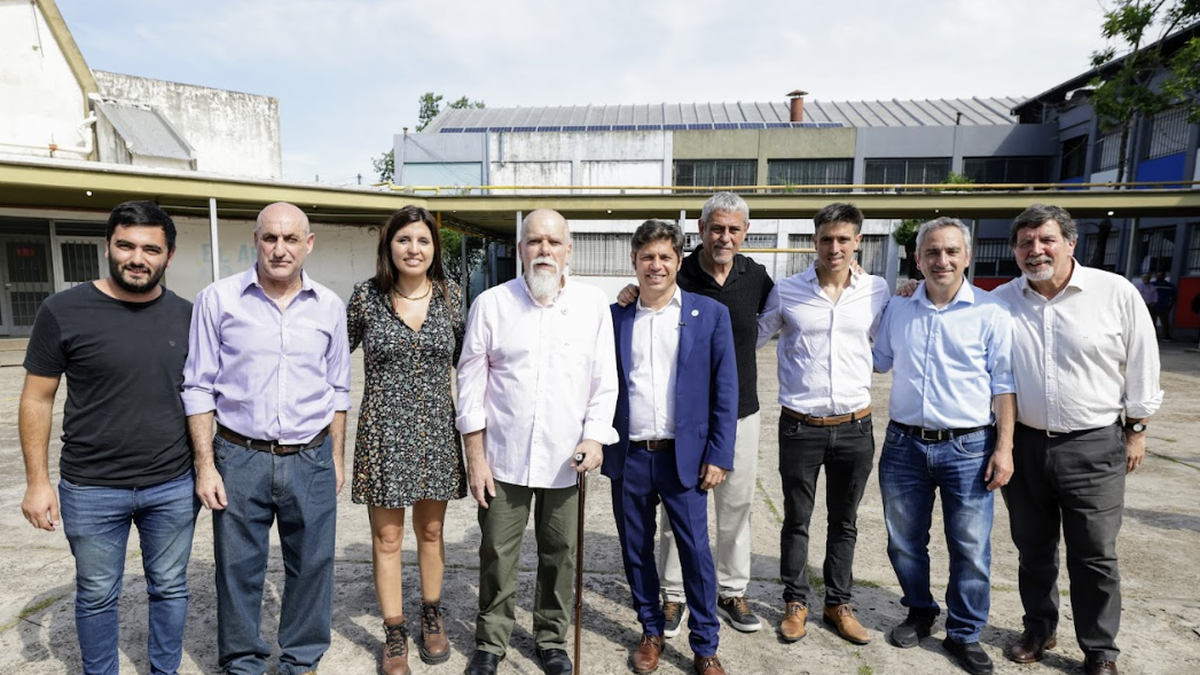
<point>910,471</point>
<point>96,520</point>
<point>300,490</point>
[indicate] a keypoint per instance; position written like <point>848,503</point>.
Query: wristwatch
<point>1135,427</point>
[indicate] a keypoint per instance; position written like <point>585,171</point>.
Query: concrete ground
<point>1159,548</point>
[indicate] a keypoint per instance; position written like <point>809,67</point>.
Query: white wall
<point>40,100</point>
<point>232,133</point>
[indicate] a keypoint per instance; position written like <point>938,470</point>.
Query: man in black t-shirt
<point>122,342</point>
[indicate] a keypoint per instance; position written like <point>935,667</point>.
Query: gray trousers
<point>1076,482</point>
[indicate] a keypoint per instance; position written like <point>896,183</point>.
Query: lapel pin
<point>695,312</point>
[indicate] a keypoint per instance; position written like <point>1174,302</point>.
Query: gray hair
<point>653,230</point>
<point>939,223</point>
<point>725,202</point>
<point>1037,214</point>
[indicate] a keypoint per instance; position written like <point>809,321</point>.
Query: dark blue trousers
<point>647,479</point>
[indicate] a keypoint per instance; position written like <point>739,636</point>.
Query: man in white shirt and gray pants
<point>1086,366</point>
<point>828,315</point>
<point>537,384</point>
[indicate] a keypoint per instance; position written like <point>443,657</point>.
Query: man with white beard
<point>537,386</point>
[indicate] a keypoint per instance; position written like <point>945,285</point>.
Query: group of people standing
<point>1041,390</point>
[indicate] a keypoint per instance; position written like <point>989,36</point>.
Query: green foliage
<point>906,232</point>
<point>431,106</point>
<point>385,166</point>
<point>1128,91</point>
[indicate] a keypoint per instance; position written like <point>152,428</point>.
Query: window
<point>1023,170</point>
<point>601,254</point>
<point>798,262</point>
<point>1074,157</point>
<point>994,258</point>
<point>80,262</point>
<point>1167,133</point>
<point>1157,250</point>
<point>810,172</point>
<point>1108,151</point>
<point>715,172</point>
<point>1089,253</point>
<point>1193,264</point>
<point>906,171</point>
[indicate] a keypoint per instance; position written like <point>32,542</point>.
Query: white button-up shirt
<point>824,349</point>
<point>652,370</point>
<point>538,380</point>
<point>1085,355</point>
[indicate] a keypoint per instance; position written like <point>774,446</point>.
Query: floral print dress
<point>406,447</point>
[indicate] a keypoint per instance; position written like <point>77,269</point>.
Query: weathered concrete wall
<point>232,132</point>
<point>41,102</point>
<point>342,255</point>
<point>726,144</point>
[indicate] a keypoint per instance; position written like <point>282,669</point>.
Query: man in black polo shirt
<point>716,269</point>
<point>122,342</point>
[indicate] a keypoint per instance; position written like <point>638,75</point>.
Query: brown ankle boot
<point>435,648</point>
<point>395,649</point>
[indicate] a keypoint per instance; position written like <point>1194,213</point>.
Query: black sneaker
<point>738,613</point>
<point>909,633</point>
<point>970,656</point>
<point>675,613</point>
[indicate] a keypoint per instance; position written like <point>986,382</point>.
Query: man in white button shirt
<point>537,384</point>
<point>676,416</point>
<point>828,316</point>
<point>1084,357</point>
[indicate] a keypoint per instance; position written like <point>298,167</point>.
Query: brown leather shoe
<point>1031,647</point>
<point>841,617</point>
<point>792,627</point>
<point>435,648</point>
<point>645,658</point>
<point>1101,667</point>
<point>395,649</point>
<point>708,665</point>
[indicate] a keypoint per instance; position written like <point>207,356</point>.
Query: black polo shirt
<point>745,294</point>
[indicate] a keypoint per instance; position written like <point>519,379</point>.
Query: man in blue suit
<point>677,417</point>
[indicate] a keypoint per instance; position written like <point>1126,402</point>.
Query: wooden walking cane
<point>582,483</point>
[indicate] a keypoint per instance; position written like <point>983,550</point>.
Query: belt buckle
<point>273,447</point>
<point>1052,434</point>
<point>937,435</point>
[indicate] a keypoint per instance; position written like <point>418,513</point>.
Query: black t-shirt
<point>123,423</point>
<point>745,293</point>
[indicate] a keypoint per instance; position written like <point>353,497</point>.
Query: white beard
<point>543,285</point>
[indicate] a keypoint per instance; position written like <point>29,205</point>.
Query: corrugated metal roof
<point>679,116</point>
<point>145,131</point>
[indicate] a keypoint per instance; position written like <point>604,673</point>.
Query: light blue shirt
<point>948,362</point>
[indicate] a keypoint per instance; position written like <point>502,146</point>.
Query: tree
<point>385,164</point>
<point>1128,87</point>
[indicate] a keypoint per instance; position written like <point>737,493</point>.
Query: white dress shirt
<point>824,349</point>
<point>655,351</point>
<point>1082,357</point>
<point>538,380</point>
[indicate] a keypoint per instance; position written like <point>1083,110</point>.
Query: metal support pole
<point>212,238</point>
<point>520,217</point>
<point>1131,250</point>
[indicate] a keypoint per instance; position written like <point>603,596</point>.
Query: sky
<point>349,73</point>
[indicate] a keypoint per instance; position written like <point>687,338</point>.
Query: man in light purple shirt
<point>270,364</point>
<point>537,384</point>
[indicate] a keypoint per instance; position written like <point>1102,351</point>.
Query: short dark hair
<point>653,230</point>
<point>141,214</point>
<point>839,212</point>
<point>386,273</point>
<point>1037,214</point>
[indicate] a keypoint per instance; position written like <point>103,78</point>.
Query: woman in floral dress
<point>407,454</point>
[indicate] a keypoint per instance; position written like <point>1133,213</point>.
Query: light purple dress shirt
<point>268,374</point>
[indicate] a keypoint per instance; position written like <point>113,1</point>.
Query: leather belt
<point>273,447</point>
<point>831,421</point>
<point>933,435</point>
<point>1062,434</point>
<point>656,445</point>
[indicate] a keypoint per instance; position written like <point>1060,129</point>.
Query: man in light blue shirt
<point>952,413</point>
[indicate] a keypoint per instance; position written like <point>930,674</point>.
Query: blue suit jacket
<point>706,388</point>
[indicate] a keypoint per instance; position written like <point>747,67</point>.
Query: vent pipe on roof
<point>797,98</point>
